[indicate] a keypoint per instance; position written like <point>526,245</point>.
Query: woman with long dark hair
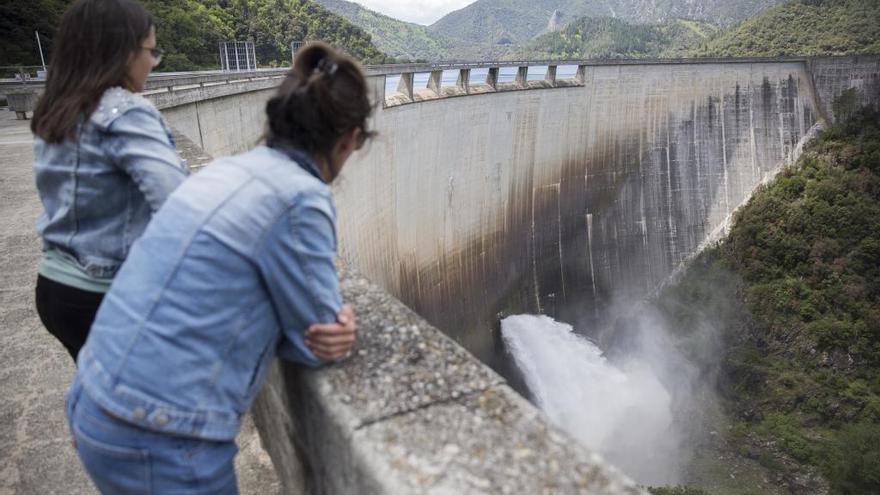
<point>104,159</point>
<point>238,266</point>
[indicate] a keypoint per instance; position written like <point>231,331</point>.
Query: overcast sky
<point>418,11</point>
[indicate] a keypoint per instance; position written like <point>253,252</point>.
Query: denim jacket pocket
<point>115,469</point>
<point>104,446</point>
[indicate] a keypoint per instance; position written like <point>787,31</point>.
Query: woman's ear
<point>129,85</point>
<point>353,139</point>
<point>347,144</point>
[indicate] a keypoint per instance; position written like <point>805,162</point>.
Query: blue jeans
<point>124,459</point>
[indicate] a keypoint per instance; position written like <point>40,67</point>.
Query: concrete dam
<point>560,196</point>
<point>564,199</point>
<point>553,197</point>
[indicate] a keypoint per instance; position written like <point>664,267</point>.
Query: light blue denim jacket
<point>100,190</point>
<point>230,272</point>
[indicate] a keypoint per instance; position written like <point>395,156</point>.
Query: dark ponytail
<point>324,96</point>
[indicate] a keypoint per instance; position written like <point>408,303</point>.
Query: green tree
<point>273,24</point>
<point>609,37</point>
<point>801,369</point>
<point>19,20</point>
<point>803,27</point>
<point>853,465</point>
<point>190,32</point>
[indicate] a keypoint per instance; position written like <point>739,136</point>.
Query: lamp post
<point>40,74</point>
<point>40,46</point>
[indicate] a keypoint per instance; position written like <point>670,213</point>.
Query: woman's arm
<point>139,144</point>
<point>298,265</point>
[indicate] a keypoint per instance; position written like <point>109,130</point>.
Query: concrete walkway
<point>36,456</point>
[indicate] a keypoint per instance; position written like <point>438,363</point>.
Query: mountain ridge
<point>803,27</point>
<point>397,38</point>
<point>610,37</point>
<point>518,21</point>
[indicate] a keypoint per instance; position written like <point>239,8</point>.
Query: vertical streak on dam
<point>543,200</point>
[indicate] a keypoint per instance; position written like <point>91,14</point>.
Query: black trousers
<point>67,312</point>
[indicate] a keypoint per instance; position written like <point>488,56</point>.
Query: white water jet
<point>620,411</point>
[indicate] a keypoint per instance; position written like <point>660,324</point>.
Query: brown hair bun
<point>323,96</point>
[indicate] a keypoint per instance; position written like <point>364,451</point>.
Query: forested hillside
<point>490,29</point>
<point>19,20</point>
<point>606,37</point>
<point>503,22</point>
<point>399,39</point>
<point>794,292</point>
<point>189,30</point>
<point>803,27</point>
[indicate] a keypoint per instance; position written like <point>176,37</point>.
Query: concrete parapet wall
<point>176,96</point>
<point>411,412</point>
<point>223,120</point>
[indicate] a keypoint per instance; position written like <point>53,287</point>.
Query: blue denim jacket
<point>232,270</point>
<point>100,190</point>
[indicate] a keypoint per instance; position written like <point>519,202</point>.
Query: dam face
<point>562,200</point>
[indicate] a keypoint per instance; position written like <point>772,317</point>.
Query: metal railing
<point>451,65</point>
<point>405,91</point>
<point>170,81</point>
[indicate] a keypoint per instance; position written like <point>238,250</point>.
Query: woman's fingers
<point>329,351</point>
<point>333,341</point>
<point>322,329</point>
<point>344,344</point>
<point>331,336</point>
<point>346,315</point>
<point>337,351</point>
<point>330,342</point>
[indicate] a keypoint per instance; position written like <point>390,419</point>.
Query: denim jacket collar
<point>298,155</point>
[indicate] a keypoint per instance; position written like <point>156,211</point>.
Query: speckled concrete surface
<point>400,363</point>
<point>488,442</point>
<point>411,412</point>
<point>36,456</point>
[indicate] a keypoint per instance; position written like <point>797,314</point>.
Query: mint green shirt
<point>60,268</point>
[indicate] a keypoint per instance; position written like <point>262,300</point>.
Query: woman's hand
<point>333,341</point>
